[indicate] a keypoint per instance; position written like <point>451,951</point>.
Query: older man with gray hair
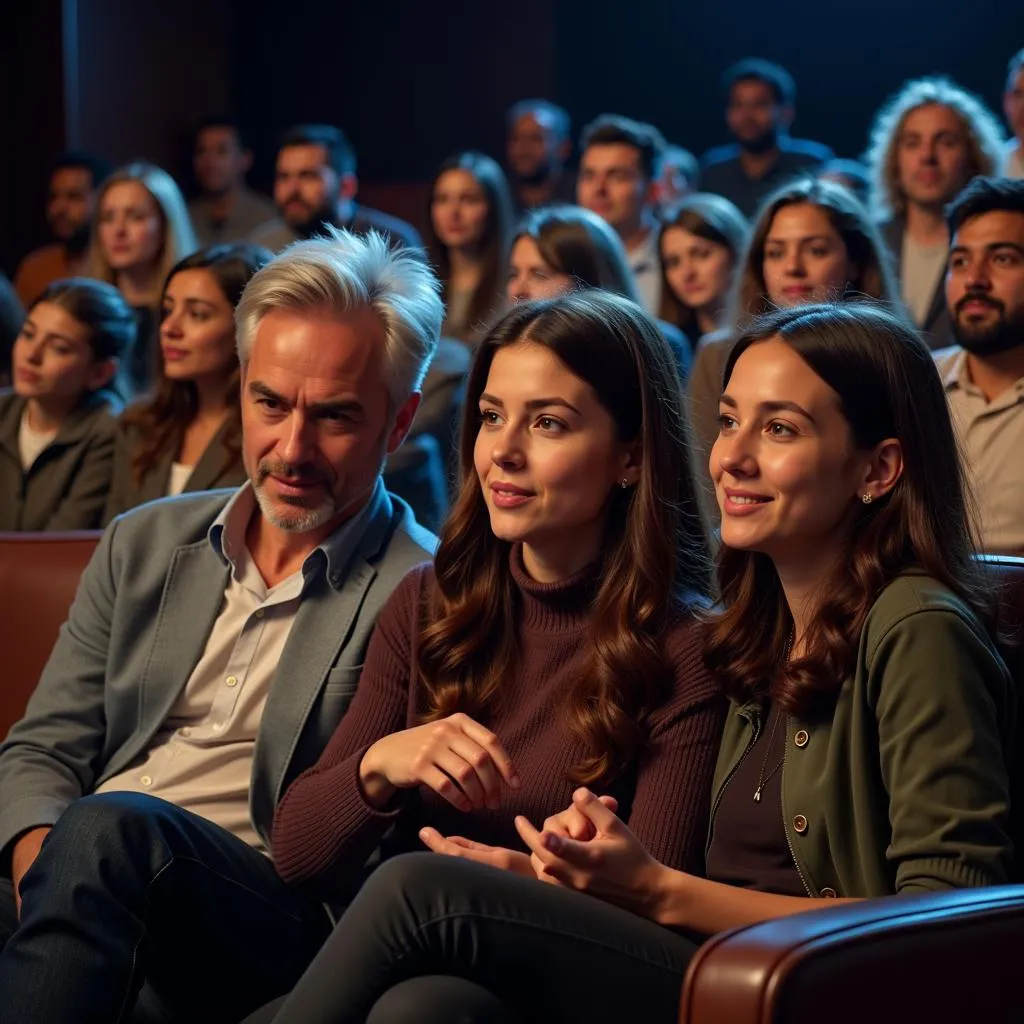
<point>214,644</point>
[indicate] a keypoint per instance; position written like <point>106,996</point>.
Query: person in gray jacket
<point>215,642</point>
<point>57,424</point>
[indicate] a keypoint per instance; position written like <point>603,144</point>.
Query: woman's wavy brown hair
<point>888,387</point>
<point>654,559</point>
<point>161,420</point>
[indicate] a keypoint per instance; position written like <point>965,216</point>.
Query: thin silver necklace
<point>762,779</point>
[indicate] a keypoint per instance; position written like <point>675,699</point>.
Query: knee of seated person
<point>104,815</point>
<point>439,999</point>
<point>414,871</point>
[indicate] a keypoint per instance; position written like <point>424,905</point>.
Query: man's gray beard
<point>300,519</point>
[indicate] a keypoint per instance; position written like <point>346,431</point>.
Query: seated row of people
<point>551,703</point>
<point>813,241</point>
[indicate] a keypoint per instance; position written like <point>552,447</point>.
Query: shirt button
<point>829,893</point>
<point>800,824</point>
<point>186,731</point>
<point>259,613</point>
<point>146,780</point>
<point>231,680</point>
<point>801,738</point>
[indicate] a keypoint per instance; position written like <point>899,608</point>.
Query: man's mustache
<point>986,300</point>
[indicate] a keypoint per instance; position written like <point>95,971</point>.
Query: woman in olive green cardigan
<point>57,424</point>
<point>865,753</point>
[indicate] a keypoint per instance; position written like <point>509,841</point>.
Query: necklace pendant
<point>757,795</point>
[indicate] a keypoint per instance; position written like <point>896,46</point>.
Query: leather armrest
<point>953,956</point>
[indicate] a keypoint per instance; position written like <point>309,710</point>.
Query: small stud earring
<point>623,483</point>
<point>867,498</point>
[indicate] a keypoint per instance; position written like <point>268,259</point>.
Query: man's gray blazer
<point>143,612</point>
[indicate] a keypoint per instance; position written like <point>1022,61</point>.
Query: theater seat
<point>944,958</point>
<point>39,574</point>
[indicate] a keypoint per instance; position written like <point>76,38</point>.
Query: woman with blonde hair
<point>812,241</point>
<point>141,230</point>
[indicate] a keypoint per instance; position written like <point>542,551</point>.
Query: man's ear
<point>403,422</point>
<point>786,115</point>
<point>246,161</point>
<point>348,186</point>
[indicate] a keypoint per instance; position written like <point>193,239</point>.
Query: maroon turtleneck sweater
<point>324,829</point>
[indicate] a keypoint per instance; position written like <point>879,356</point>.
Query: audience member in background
<point>553,641</point>
<point>538,145</point>
<point>187,436</point>
<point>12,316</point>
<point>701,244</point>
<point>927,142</point>
<point>617,180</point>
<point>812,242</point>
<point>760,108</point>
<point>678,176</point>
<point>215,643</point>
<point>469,222</point>
<point>140,231</point>
<point>865,694</point>
<point>423,471</point>
<point>70,204</point>
<point>57,426</point>
<point>562,248</point>
<point>1013,107</point>
<point>225,210</point>
<point>851,174</point>
<point>315,185</point>
<point>984,376</point>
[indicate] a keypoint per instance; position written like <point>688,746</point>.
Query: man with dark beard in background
<point>760,109</point>
<point>984,374</point>
<point>537,148</point>
<point>315,184</point>
<point>74,179</point>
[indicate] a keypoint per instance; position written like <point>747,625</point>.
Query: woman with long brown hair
<point>864,753</point>
<point>700,246</point>
<point>812,241</point>
<point>553,641</point>
<point>187,435</point>
<point>469,224</point>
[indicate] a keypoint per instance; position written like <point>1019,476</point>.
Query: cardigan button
<point>801,738</point>
<point>800,824</point>
<point>829,893</point>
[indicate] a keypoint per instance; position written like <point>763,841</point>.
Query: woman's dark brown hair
<point>714,219</point>
<point>865,249</point>
<point>497,233</point>
<point>654,558</point>
<point>161,420</point>
<point>888,387</point>
<point>576,242</point>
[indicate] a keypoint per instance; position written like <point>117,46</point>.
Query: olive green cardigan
<point>905,788</point>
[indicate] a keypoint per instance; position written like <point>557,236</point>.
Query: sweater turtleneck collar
<point>554,607</point>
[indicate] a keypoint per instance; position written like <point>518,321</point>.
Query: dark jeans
<point>425,925</point>
<point>128,890</point>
